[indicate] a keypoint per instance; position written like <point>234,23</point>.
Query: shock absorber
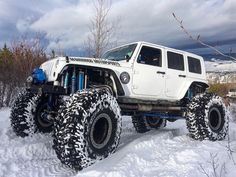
<point>66,81</point>
<point>85,79</point>
<point>81,80</point>
<point>73,82</point>
<point>62,80</point>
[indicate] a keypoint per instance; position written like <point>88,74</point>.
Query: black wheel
<point>207,117</point>
<point>143,123</point>
<point>26,115</point>
<point>41,117</point>
<point>87,128</point>
<point>155,122</point>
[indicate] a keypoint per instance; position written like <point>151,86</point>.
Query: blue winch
<point>39,77</point>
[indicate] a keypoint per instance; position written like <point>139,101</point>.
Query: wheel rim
<point>42,116</point>
<point>215,119</point>
<point>100,132</point>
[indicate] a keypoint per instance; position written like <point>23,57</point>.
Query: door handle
<point>161,72</point>
<point>182,75</point>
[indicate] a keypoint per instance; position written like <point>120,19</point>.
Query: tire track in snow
<point>30,156</point>
<point>166,152</point>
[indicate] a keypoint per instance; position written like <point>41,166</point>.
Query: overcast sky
<point>65,23</point>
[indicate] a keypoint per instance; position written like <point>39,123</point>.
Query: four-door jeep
<point>82,99</point>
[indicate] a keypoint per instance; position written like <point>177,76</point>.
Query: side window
<point>175,61</point>
<point>194,65</point>
<point>150,56</point>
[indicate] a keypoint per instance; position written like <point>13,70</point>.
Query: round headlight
<point>124,77</point>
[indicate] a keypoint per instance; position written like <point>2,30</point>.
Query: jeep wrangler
<point>82,99</point>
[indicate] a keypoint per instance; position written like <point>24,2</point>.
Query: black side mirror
<point>127,57</point>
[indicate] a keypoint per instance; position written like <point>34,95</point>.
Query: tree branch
<point>198,40</point>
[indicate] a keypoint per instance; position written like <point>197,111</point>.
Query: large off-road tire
<point>207,117</point>
<point>87,128</point>
<point>26,114</point>
<point>143,124</point>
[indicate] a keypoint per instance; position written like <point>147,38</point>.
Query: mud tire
<point>207,117</point>
<point>87,128</point>
<point>24,114</point>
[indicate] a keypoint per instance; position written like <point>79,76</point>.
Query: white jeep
<point>82,99</point>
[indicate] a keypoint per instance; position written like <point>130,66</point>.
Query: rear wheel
<point>207,117</point>
<point>155,122</point>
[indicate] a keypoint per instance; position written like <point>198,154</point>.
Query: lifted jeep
<point>82,99</point>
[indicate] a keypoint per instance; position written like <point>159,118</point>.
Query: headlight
<point>124,77</point>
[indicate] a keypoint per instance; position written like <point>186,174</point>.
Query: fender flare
<point>189,84</point>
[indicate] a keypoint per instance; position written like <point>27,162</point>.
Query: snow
<point>166,152</point>
<point>220,66</point>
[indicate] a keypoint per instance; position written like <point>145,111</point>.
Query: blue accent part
<point>81,80</point>
<point>163,116</point>
<point>190,94</point>
<point>39,77</point>
<point>77,83</point>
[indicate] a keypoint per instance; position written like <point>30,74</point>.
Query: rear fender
<point>189,85</point>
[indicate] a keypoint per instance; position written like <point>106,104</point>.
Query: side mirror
<point>127,57</point>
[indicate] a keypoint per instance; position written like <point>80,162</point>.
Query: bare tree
<point>27,53</point>
<point>198,40</point>
<point>102,31</point>
<point>17,63</point>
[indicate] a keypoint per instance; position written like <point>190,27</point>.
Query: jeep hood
<point>54,66</point>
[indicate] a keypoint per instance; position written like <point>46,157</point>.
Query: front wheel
<point>207,117</point>
<point>87,129</point>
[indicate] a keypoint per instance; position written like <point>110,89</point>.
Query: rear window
<point>175,61</point>
<point>194,65</point>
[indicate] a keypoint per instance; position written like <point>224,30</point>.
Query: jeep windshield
<point>121,53</point>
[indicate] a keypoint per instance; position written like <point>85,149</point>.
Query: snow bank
<point>220,66</point>
<point>167,152</point>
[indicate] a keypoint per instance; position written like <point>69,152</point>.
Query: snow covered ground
<point>167,152</point>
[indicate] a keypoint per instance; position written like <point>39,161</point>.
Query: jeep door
<point>148,72</point>
<point>175,74</point>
